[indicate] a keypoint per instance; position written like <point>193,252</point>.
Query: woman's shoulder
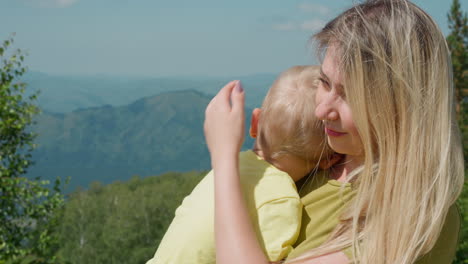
<point>319,186</point>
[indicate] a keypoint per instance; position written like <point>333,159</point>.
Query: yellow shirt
<point>273,203</point>
<point>324,200</point>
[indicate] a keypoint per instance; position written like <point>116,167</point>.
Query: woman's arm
<point>234,234</point>
<point>235,238</point>
<point>224,130</point>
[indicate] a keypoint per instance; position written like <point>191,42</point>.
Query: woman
<point>386,98</point>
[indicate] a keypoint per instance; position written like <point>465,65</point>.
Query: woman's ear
<point>254,122</point>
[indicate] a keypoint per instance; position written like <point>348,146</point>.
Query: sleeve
<point>278,226</point>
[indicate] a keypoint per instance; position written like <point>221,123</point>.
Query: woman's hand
<point>225,121</point>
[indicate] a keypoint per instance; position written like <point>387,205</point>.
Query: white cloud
<point>309,26</point>
<point>313,25</point>
<point>64,3</point>
<point>288,26</point>
<point>51,3</point>
<point>314,8</point>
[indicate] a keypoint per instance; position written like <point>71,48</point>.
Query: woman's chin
<point>345,149</point>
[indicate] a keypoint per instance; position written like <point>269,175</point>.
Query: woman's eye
<point>324,82</point>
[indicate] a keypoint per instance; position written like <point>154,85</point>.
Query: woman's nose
<point>326,111</point>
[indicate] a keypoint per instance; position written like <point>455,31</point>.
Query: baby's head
<point>286,128</point>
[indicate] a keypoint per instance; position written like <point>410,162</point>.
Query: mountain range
<point>149,136</point>
<point>63,94</point>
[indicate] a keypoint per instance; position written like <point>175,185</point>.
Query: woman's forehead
<point>331,66</point>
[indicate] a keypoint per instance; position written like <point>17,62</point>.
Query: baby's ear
<point>254,122</point>
<point>327,163</point>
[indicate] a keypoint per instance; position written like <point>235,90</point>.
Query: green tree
<point>122,222</point>
<point>28,214</point>
<point>458,44</point>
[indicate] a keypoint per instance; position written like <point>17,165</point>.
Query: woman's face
<point>334,110</point>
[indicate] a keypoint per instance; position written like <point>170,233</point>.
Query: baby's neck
<point>341,169</point>
<point>295,167</point>
<point>258,150</point>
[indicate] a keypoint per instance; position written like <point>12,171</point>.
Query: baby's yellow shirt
<point>272,201</point>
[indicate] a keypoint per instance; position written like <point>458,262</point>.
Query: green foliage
<point>458,44</point>
<point>122,222</point>
<point>28,208</point>
<point>462,253</point>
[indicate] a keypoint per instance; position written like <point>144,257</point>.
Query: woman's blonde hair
<point>287,123</point>
<point>398,83</point>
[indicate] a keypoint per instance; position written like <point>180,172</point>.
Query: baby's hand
<point>224,121</point>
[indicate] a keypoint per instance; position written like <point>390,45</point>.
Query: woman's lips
<point>334,133</point>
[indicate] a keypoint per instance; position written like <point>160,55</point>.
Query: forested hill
<point>122,222</point>
<point>150,136</point>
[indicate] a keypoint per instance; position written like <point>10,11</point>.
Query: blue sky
<point>172,37</point>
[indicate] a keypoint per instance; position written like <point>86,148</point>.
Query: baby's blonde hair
<point>287,123</point>
<point>398,83</point>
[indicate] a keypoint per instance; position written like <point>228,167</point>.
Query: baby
<point>289,144</point>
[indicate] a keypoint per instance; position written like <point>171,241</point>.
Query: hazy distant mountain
<point>147,137</point>
<point>63,94</point>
